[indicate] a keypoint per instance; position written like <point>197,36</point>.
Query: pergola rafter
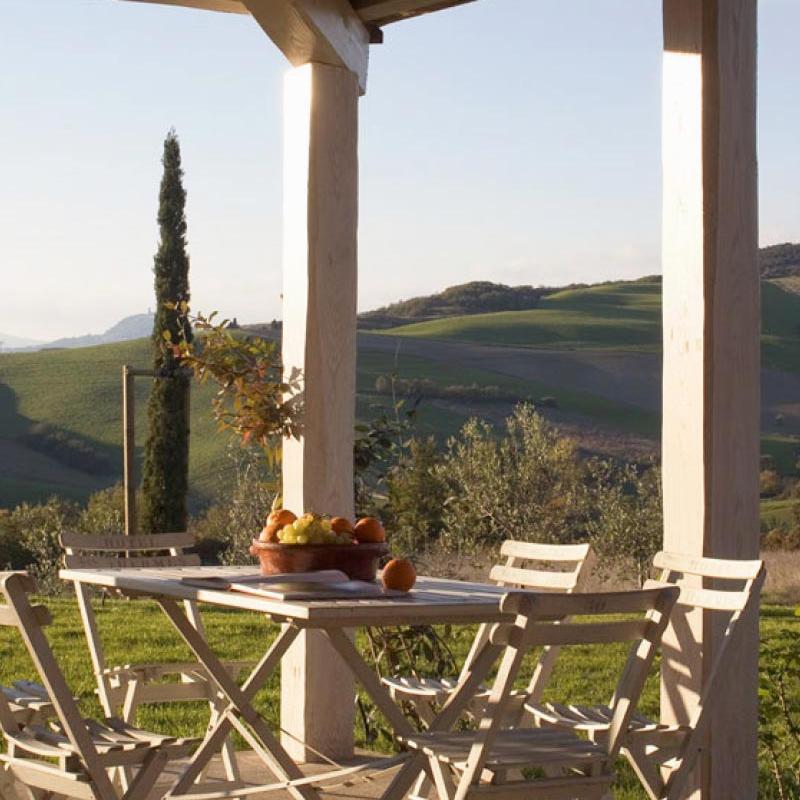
<point>711,328</point>
<point>376,12</point>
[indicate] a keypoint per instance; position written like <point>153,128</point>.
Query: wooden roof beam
<point>322,31</point>
<point>325,31</point>
<point>382,12</point>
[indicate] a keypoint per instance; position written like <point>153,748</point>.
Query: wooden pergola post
<point>711,356</point>
<point>319,338</point>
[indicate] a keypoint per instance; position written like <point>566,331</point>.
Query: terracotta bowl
<point>357,561</point>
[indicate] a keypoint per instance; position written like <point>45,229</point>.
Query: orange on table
<point>399,574</point>
<point>369,530</point>
<point>281,516</point>
<point>270,532</point>
<point>342,525</point>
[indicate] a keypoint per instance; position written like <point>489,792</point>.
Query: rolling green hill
<point>79,392</point>
<point>74,396</point>
<point>616,316</point>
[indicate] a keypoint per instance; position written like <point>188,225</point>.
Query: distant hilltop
<point>136,326</point>
<point>477,297</point>
<point>778,262</point>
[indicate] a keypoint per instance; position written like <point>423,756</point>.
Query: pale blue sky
<point>510,140</point>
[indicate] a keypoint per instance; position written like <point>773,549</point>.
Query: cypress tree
<point>166,459</point>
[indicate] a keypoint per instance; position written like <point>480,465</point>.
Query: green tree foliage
<point>625,525</point>
<point>225,530</point>
<point>525,484</point>
<point>29,534</point>
<point>166,461</point>
<point>477,297</point>
<point>416,494</point>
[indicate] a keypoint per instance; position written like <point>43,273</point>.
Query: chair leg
<point>147,775</point>
<point>423,788</point>
<point>229,761</point>
<point>443,780</point>
<point>8,785</point>
<point>646,770</point>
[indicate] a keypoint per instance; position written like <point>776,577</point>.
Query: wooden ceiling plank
<point>382,12</point>
<point>226,6</point>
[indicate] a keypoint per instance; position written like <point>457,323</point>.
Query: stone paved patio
<point>254,771</point>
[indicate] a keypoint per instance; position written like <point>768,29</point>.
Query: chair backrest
<point>82,551</point>
<point>540,621</point>
<point>718,586</point>
<point>544,568</point>
<point>28,619</point>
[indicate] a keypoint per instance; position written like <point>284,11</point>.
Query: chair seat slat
<point>512,748</point>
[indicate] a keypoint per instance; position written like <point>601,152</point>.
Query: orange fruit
<point>342,525</point>
<point>369,530</point>
<point>281,516</point>
<point>399,574</point>
<point>270,532</point>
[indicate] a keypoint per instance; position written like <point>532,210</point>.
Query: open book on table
<point>329,584</point>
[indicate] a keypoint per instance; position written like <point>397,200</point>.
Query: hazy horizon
<point>522,154</point>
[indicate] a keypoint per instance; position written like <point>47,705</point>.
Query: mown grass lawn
<point>137,631</point>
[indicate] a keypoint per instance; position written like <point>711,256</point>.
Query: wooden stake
<point>129,447</point>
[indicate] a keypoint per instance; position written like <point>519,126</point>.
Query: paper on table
<point>222,582</point>
<point>293,589</point>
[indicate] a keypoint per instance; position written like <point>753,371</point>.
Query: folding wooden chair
<point>29,704</point>
<point>122,689</point>
<point>528,565</point>
<point>664,756</point>
<point>74,757</point>
<point>571,767</point>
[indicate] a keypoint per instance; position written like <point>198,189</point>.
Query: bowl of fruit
<point>313,542</point>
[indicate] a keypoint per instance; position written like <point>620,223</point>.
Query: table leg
<point>272,753</point>
<point>472,677</point>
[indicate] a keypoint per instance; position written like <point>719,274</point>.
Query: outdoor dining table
<point>432,601</point>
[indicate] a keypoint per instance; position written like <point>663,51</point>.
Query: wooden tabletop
<point>432,600</point>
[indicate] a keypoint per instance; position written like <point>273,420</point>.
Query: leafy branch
<point>254,400</point>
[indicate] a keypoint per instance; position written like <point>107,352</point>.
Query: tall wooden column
<point>711,355</point>
<point>319,338</point>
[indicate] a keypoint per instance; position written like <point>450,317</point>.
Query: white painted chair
<point>75,757</point>
<point>528,565</point>
<point>573,767</point>
<point>123,688</point>
<point>664,756</point>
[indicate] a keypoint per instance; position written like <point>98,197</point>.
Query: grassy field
<point>777,512</point>
<point>137,631</point>
<point>78,392</point>
<point>633,419</point>
<point>618,316</point>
